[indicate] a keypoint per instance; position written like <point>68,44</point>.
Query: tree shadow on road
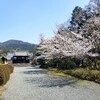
<point>46,80</point>
<point>35,71</point>
<point>60,82</point>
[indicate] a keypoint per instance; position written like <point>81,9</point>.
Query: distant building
<point>9,56</point>
<point>20,57</point>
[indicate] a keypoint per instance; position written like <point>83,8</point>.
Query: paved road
<point>28,83</point>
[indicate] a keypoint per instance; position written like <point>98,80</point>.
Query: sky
<point>26,19</point>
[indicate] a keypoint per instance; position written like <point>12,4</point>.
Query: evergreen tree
<point>78,18</point>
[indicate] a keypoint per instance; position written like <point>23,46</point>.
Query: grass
<point>57,72</point>
<point>0,61</point>
<point>81,73</point>
<point>91,75</point>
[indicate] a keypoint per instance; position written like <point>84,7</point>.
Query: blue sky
<point>26,19</point>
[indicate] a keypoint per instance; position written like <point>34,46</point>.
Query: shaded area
<point>53,82</point>
<point>21,64</point>
<point>42,79</point>
<point>36,71</point>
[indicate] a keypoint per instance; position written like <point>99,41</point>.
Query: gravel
<point>32,83</point>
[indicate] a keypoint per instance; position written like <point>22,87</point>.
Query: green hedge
<point>70,63</point>
<point>61,63</point>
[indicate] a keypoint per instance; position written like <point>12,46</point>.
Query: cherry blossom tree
<point>75,43</point>
<point>65,43</point>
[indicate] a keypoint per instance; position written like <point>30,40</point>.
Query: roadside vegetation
<point>81,73</point>
<point>5,71</point>
<point>0,61</point>
<point>75,48</point>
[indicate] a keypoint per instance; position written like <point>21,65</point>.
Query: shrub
<point>3,78</point>
<point>56,63</point>
<point>98,64</point>
<point>11,68</point>
<point>61,63</point>
<point>92,64</point>
<point>37,53</point>
<point>51,63</point>
<point>87,63</point>
<point>5,71</point>
<point>71,64</point>
<point>77,61</point>
<point>41,62</point>
<point>92,75</point>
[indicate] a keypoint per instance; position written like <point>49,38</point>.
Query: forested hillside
<point>16,44</point>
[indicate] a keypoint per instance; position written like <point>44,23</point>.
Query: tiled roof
<point>21,53</point>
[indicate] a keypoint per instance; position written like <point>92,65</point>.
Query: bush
<point>3,78</point>
<point>37,53</point>
<point>98,64</point>
<point>77,62</point>
<point>92,75</point>
<point>87,63</point>
<point>41,62</point>
<point>5,71</point>
<point>71,64</point>
<point>92,64</point>
<point>61,63</point>
<point>11,68</point>
<point>56,63</point>
<point>49,63</point>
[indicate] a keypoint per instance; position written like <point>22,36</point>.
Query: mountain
<point>17,44</point>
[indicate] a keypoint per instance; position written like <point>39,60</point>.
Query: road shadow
<point>36,71</point>
<point>48,80</point>
<point>36,67</point>
<point>59,82</point>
